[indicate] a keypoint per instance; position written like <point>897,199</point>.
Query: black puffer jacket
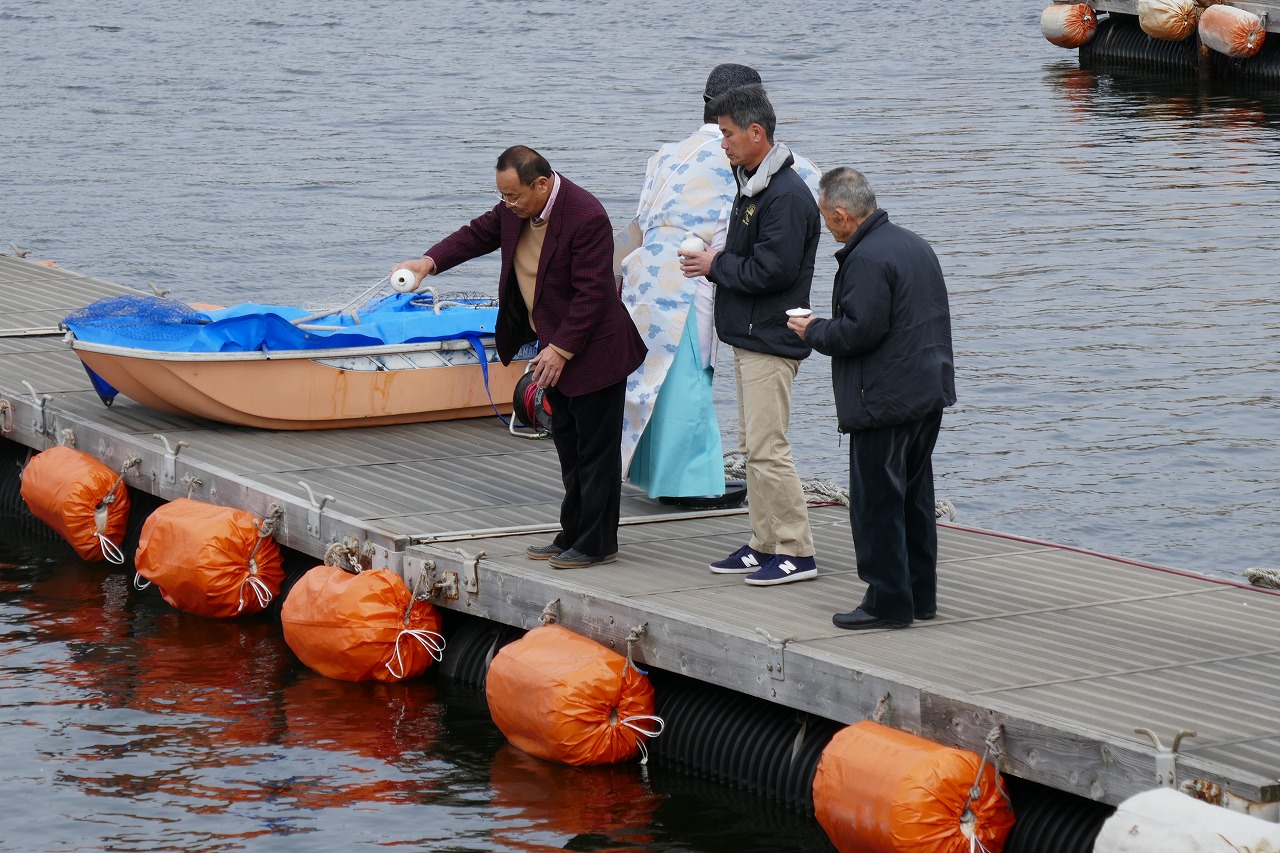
<point>890,338</point>
<point>767,263</point>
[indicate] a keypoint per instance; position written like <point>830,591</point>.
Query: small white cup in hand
<point>799,312</point>
<point>690,245</point>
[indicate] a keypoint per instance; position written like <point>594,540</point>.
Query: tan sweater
<point>528,251</point>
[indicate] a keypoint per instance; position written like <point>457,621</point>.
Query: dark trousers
<point>587,431</point>
<point>895,531</point>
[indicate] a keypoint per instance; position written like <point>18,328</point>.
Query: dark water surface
<point>1109,241</point>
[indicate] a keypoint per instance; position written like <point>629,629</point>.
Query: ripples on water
<point>128,726</point>
<point>1107,238</point>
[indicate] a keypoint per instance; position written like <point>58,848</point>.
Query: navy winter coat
<point>767,265</point>
<point>890,334</point>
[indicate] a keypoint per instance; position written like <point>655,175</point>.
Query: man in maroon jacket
<point>557,287</point>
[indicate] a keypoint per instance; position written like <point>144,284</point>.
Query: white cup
<point>798,312</point>
<point>690,245</point>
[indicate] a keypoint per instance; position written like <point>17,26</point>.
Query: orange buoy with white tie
<point>564,697</point>
<point>1168,20</point>
<point>360,627</point>
<point>81,498</point>
<point>880,790</point>
<point>1069,24</point>
<point>210,560</point>
<point>1233,32</point>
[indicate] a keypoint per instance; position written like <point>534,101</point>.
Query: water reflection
<point>1102,89</point>
<point>157,730</point>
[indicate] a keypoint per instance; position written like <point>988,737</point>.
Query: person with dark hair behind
<point>670,431</point>
<point>765,268</point>
<point>556,287</point>
<point>892,370</point>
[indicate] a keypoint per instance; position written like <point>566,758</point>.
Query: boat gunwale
<point>450,345</point>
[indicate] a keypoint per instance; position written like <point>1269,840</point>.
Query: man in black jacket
<point>765,268</point>
<point>892,371</point>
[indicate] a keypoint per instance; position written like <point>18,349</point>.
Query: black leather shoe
<point>575,559</point>
<point>543,552</point>
<point>925,615</point>
<point>858,619</point>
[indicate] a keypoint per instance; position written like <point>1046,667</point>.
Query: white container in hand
<point>690,245</point>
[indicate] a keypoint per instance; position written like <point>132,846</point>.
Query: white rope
<point>102,513</point>
<point>139,582</point>
<point>653,731</point>
<point>111,551</point>
<point>633,638</point>
<point>1268,578</point>
<point>550,613</point>
<point>255,583</point>
<point>968,820</point>
<point>430,640</point>
<point>351,307</point>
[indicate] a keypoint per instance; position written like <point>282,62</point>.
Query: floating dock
<point>1060,653</point>
<point>1121,40</point>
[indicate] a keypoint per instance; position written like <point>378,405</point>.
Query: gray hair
<point>848,188</point>
<point>746,105</point>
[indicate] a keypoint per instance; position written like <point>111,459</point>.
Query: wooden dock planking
<point>1068,651</point>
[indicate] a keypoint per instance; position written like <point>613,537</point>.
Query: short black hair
<point>529,164</point>
<point>746,105</point>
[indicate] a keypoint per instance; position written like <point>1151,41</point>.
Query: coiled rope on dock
<point>1268,578</point>
<point>821,492</point>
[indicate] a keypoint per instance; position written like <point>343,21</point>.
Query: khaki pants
<point>775,499</point>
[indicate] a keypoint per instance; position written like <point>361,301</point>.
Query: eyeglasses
<point>511,202</point>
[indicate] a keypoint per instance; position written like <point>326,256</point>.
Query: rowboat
<point>404,358</point>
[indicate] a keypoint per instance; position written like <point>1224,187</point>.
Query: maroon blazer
<point>576,304</point>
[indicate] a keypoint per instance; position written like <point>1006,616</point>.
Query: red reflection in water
<point>613,803</point>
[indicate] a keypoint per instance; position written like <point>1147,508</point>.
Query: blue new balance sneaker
<point>784,568</point>
<point>742,561</point>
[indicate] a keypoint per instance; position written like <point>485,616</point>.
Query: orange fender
<point>880,790</point>
<point>1169,20</point>
<point>207,559</point>
<point>352,626</point>
<point>564,697</point>
<point>66,488</point>
<point>1069,25</point>
<point>1231,31</point>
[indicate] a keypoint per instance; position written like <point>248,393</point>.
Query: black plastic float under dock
<point>1069,652</point>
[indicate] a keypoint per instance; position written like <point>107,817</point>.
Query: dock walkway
<point>1068,651</point>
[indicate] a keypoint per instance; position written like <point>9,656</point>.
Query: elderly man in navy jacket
<point>557,287</point>
<point>892,371</point>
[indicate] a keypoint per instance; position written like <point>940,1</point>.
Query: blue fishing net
<point>153,323</point>
<point>137,318</point>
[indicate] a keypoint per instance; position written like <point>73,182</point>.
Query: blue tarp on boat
<point>166,325</point>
